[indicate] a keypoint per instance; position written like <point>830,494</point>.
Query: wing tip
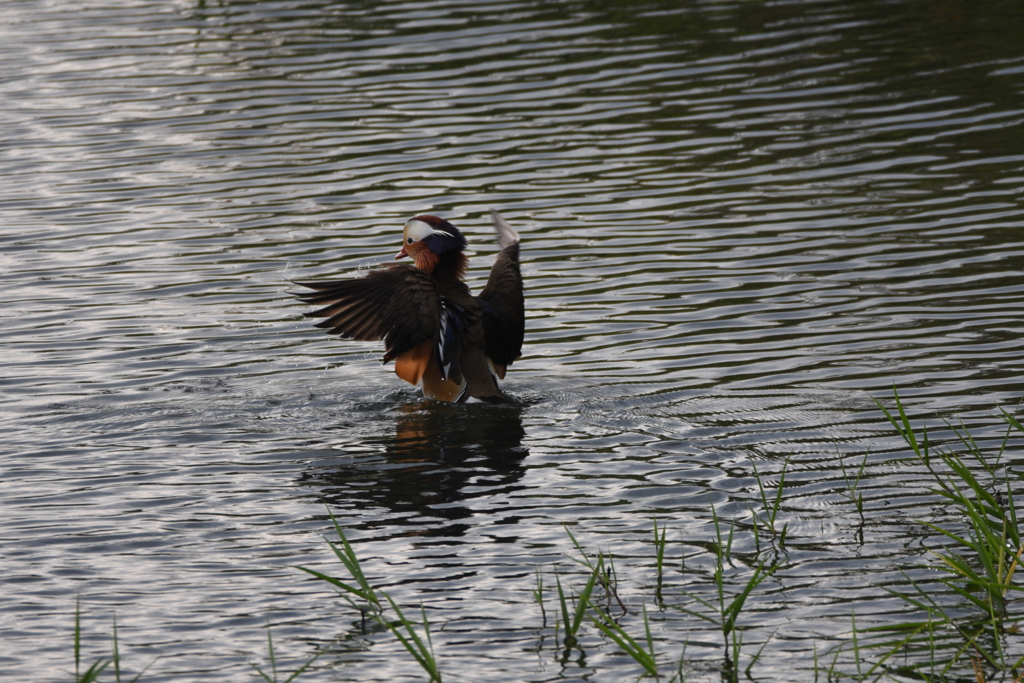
<point>507,235</point>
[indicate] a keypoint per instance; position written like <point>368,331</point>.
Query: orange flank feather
<point>437,389</point>
<point>411,365</point>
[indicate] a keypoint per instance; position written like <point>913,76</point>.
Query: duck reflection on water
<point>441,456</point>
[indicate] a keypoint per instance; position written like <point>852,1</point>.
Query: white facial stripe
<point>416,230</point>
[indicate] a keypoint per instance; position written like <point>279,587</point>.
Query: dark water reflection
<point>740,220</point>
<point>439,456</point>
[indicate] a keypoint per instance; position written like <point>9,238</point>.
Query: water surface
<point>740,220</point>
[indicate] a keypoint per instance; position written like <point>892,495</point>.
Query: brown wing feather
<point>504,318</point>
<point>399,304</point>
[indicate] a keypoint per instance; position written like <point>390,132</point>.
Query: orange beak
<point>401,254</point>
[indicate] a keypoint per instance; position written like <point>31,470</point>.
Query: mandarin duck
<point>456,345</point>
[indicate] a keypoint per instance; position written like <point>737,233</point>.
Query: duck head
<point>428,240</point>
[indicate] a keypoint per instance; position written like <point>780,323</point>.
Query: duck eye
<point>408,240</point>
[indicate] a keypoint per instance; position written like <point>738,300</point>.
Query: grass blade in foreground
<point>645,658</point>
<point>659,546</point>
<point>423,652</point>
<point>410,640</point>
<point>572,626</point>
<point>273,663</point>
<point>980,566</point>
<point>99,666</point>
<point>347,556</point>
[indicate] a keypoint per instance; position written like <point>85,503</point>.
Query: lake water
<point>740,220</point>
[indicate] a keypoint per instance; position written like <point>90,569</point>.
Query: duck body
<point>439,335</point>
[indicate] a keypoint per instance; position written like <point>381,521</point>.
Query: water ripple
<point>739,225</point>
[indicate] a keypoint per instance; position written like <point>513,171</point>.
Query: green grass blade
<point>907,431</point>
<point>351,562</point>
<point>584,598</point>
<point>586,560</point>
<point>711,608</point>
<point>270,651</point>
<point>630,647</point>
<point>692,613</point>
<point>117,654</point>
<point>569,637</point>
<point>78,634</point>
<point>339,584</point>
<point>93,672</point>
<point>778,491</point>
<point>265,677</point>
<point>659,557</point>
<point>964,435</point>
<point>647,633</point>
<point>732,613</point>
<point>1013,421</point>
<point>645,658</point>
<point>423,653</point>
<point>1013,527</point>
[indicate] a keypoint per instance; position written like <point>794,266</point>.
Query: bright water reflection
<point>738,218</point>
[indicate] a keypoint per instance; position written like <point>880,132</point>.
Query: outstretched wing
<point>399,304</point>
<point>504,318</point>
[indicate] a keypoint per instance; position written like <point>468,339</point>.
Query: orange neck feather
<point>427,261</point>
<point>423,257</point>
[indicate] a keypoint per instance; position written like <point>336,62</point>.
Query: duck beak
<point>401,254</point>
